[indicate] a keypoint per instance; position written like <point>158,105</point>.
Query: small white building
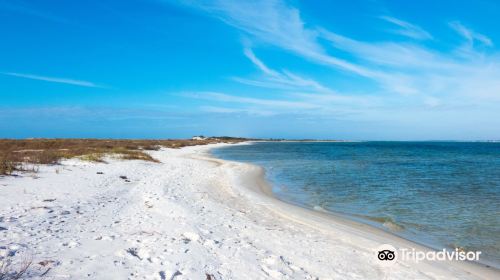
<point>198,137</point>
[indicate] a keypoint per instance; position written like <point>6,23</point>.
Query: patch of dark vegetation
<point>11,272</point>
<point>134,252</point>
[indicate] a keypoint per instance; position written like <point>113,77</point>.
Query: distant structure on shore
<point>200,137</point>
<point>220,138</point>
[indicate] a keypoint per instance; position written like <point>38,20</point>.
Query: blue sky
<point>374,70</point>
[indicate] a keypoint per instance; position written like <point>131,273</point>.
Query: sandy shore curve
<point>191,216</point>
<point>250,179</point>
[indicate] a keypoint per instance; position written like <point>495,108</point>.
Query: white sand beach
<point>189,217</point>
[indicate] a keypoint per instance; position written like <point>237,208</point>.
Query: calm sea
<point>442,194</point>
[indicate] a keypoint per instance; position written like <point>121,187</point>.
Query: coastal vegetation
<point>27,154</point>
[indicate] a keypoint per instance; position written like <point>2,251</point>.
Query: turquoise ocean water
<point>441,194</point>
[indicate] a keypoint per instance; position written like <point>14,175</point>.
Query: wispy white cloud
<point>55,80</point>
<point>276,23</point>
<point>393,54</point>
<point>227,98</point>
<point>407,29</point>
<point>415,69</point>
<point>470,35</point>
<point>257,62</point>
<point>407,74</point>
<point>282,25</point>
<point>312,104</point>
<point>280,79</point>
<point>231,110</point>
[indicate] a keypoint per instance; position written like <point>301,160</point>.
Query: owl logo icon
<point>386,255</point>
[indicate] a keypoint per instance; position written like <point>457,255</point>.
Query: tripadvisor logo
<point>387,255</point>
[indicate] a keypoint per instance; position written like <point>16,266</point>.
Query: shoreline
<point>256,182</point>
<point>188,216</point>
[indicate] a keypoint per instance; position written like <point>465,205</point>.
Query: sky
<point>354,70</point>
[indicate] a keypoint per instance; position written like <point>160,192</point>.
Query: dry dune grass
<point>9,272</point>
<point>19,155</point>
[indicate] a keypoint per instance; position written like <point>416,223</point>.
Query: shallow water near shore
<point>442,194</point>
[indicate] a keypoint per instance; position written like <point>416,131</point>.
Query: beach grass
<point>17,155</point>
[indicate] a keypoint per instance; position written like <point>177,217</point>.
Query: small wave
<point>320,209</point>
<point>387,222</point>
<point>393,226</point>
